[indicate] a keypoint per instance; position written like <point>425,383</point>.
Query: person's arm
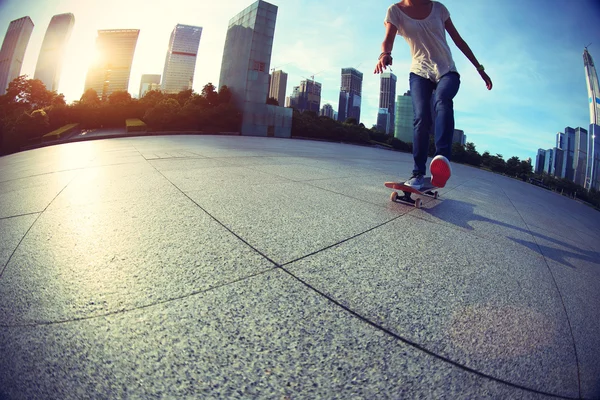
<point>464,47</point>
<point>385,58</point>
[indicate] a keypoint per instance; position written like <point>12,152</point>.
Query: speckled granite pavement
<point>237,267</point>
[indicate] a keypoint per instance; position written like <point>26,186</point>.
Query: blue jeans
<point>422,91</point>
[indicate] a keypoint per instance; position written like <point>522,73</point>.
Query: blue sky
<point>532,50</point>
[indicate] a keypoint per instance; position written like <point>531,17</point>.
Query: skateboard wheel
<point>435,194</point>
<point>418,203</point>
<point>394,196</point>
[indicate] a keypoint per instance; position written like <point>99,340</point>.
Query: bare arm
<point>464,47</point>
<point>386,47</point>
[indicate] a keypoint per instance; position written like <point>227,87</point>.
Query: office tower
<point>569,147</point>
<point>350,94</point>
<point>309,96</point>
<point>110,72</point>
<point>13,50</point>
<point>594,157</point>
<point>149,82</point>
<point>580,156</point>
<point>459,137</point>
<point>560,156</point>
<point>245,70</point>
<point>540,161</point>
<point>327,111</point>
<point>52,53</point>
<point>387,101</point>
<point>549,162</point>
<point>180,62</point>
<point>403,129</point>
<point>277,86</point>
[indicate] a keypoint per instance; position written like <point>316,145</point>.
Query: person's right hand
<point>382,64</point>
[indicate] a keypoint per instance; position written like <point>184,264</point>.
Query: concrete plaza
<point>243,267</point>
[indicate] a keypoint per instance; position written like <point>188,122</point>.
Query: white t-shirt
<point>431,57</point>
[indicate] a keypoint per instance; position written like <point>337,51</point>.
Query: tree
<point>119,98</point>
<point>210,94</point>
<point>90,98</point>
<point>273,101</point>
<point>497,163</point>
<point>164,115</point>
<point>486,159</point>
<point>30,92</point>
<point>351,121</point>
<point>184,96</point>
<point>512,166</point>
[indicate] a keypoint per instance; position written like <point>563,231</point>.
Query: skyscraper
<point>387,102</point>
<point>148,82</point>
<point>327,111</point>
<point>591,76</point>
<point>580,159</point>
<point>540,161</point>
<point>350,94</point>
<point>569,147</point>
<point>309,96</point>
<point>180,61</point>
<point>110,72</point>
<point>403,129</point>
<point>560,156</point>
<point>13,50</point>
<point>278,85</point>
<point>50,60</point>
<point>459,137</point>
<point>245,70</point>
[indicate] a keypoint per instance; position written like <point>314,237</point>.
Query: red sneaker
<point>440,171</point>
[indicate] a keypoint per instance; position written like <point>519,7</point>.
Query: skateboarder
<point>423,24</point>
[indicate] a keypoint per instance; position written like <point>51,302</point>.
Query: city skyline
<point>509,120</point>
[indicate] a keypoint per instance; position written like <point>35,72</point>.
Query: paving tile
<point>105,257</point>
<point>267,337</point>
<point>12,230</point>
<point>580,290</point>
<point>286,221</point>
<point>33,194</point>
<point>459,295</point>
<point>114,182</point>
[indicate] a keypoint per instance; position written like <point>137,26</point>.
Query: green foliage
<point>135,125</point>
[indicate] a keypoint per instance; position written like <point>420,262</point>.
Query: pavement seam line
<point>418,346</point>
<point>33,223</point>
<point>557,289</point>
<point>164,301</point>
<point>20,215</point>
<point>354,313</point>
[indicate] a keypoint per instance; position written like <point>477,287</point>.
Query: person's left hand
<point>486,78</point>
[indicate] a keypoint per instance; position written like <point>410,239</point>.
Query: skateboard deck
<point>426,190</point>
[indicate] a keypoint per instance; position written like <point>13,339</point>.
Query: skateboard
<point>426,190</point>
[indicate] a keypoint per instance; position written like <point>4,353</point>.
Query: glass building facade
<point>403,127</point>
<point>13,50</point>
<point>278,86</point>
<point>51,56</point>
<point>350,94</point>
<point>180,62</point>
<point>387,100</point>
<point>110,73</point>
<point>148,82</point>
<point>580,159</point>
<point>309,96</point>
<point>591,76</point>
<point>245,71</point>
